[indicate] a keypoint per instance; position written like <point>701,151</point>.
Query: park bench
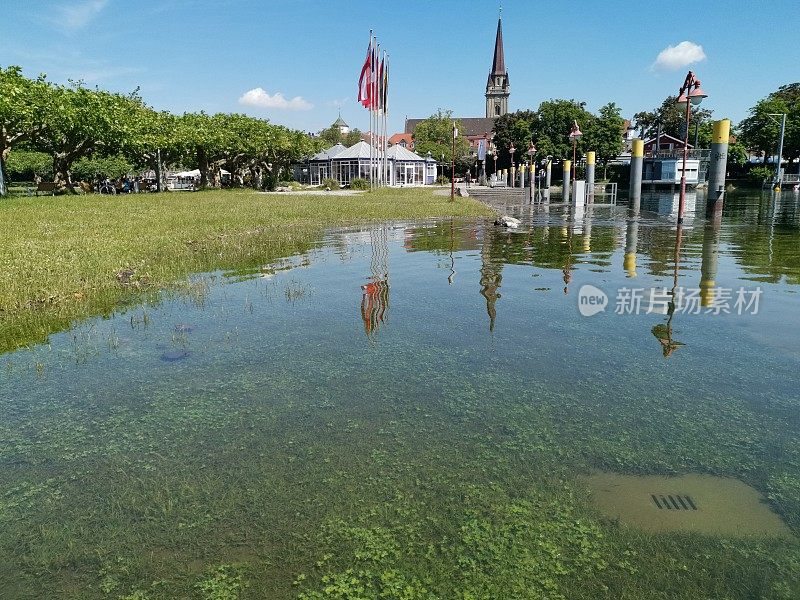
<point>47,187</point>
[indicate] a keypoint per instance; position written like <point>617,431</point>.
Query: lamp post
<point>690,94</point>
<point>511,151</point>
<point>453,166</point>
<point>442,167</point>
<point>574,135</point>
<point>531,153</point>
<point>778,176</point>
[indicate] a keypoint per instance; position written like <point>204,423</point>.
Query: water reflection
<point>663,331</point>
<point>666,203</point>
<point>278,406</point>
<point>375,296</point>
<point>491,276</point>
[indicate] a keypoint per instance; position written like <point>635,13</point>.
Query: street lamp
<point>574,135</point>
<point>778,176</point>
<point>690,94</point>
<point>442,179</point>
<point>531,152</point>
<point>511,151</point>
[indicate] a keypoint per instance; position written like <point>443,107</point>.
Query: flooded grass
<point>440,453</point>
<point>67,258</point>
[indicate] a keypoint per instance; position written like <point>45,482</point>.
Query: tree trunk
<point>202,164</point>
<point>255,179</point>
<point>61,175</point>
<point>3,185</point>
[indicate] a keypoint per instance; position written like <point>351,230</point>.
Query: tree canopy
<point>672,118</point>
<point>549,126</point>
<point>435,135</point>
<point>333,135</point>
<point>75,124</point>
<point>604,134</point>
<point>761,129</point>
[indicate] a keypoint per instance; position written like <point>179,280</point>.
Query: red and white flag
<point>364,92</point>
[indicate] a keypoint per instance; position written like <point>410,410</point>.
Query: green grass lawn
<point>59,257</point>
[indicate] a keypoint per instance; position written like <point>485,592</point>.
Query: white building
<point>345,164</point>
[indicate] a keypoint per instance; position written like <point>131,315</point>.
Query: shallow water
<point>408,378</point>
<point>701,503</point>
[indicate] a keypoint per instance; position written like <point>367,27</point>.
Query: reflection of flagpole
<point>385,102</point>
<point>375,293</point>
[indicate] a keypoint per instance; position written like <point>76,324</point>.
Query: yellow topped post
<point>722,132</point>
<point>567,170</point>
<point>590,160</point>
<point>719,164</point>
<point>637,161</point>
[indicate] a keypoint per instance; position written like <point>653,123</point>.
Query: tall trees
<point>77,121</point>
<point>548,128</point>
<point>517,128</point>
<point>435,135</point>
<point>760,131</point>
<point>555,118</point>
<point>21,103</point>
<point>604,135</point>
<point>73,123</point>
<point>672,118</point>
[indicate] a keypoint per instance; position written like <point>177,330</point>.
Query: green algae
<point>293,455</point>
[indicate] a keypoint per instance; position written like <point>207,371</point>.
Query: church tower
<point>497,88</point>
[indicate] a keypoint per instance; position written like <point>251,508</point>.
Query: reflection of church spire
<point>375,293</point>
<point>491,277</point>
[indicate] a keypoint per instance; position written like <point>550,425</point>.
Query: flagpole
<point>383,123</point>
<point>369,105</point>
<point>380,124</point>
<point>377,105</point>
<point>373,172</point>
<point>385,110</point>
<point>369,80</point>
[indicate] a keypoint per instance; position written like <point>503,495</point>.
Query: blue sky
<point>189,55</point>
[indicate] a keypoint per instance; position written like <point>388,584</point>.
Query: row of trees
<point>757,134</point>
<point>760,130</point>
<point>549,125</point>
<point>70,123</point>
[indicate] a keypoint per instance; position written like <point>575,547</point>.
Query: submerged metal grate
<point>673,502</point>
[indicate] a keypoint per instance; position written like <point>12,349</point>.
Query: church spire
<point>499,63</point>
<point>497,85</point>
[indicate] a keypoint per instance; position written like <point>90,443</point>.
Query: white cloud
<point>673,58</point>
<point>259,98</point>
<point>77,15</point>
